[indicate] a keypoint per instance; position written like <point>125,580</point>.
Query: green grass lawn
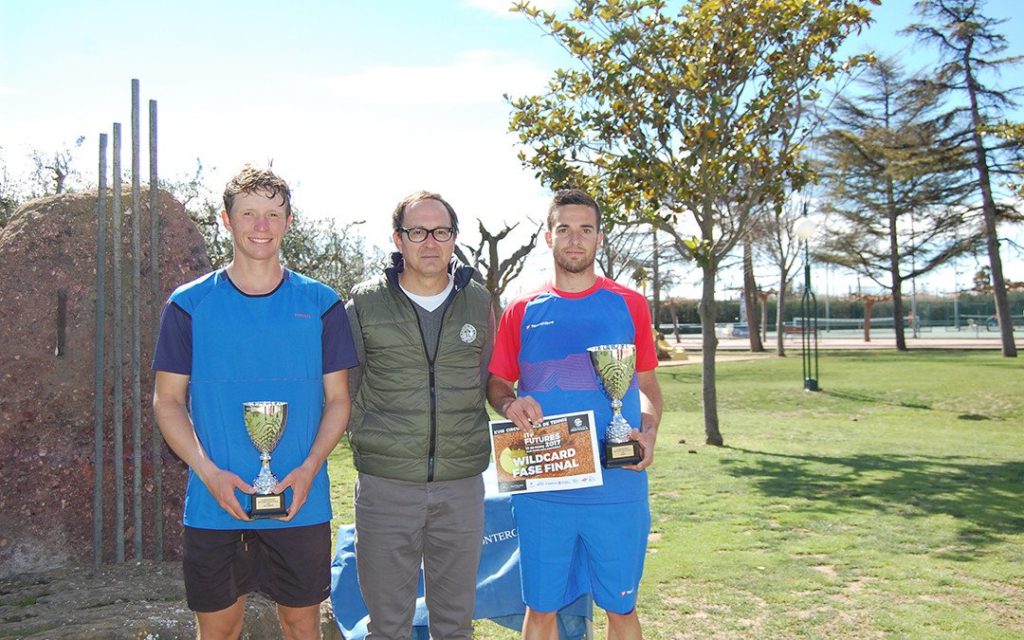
<point>888,505</point>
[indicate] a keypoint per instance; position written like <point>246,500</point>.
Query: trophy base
<point>267,506</point>
<point>622,454</point>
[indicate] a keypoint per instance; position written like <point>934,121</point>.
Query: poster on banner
<point>560,452</point>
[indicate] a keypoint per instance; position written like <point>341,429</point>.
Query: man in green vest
<point>424,333</point>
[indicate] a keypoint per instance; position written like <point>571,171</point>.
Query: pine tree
<point>970,46</point>
<point>897,180</point>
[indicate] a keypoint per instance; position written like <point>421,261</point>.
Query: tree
<point>896,177</point>
<point>649,259</point>
<point>495,273</point>
<point>50,174</point>
<point>203,209</point>
<point>54,173</point>
<point>780,246</point>
<point>1013,133</point>
<point>969,46</point>
<point>750,296</point>
<point>869,302</point>
<point>10,196</point>
<point>679,115</point>
<point>774,232</point>
<point>335,255</point>
<point>633,249</point>
<point>623,248</point>
<point>663,258</point>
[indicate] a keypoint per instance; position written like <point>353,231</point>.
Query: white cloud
<point>7,91</point>
<point>475,77</point>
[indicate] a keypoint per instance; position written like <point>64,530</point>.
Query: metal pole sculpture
<point>808,310</point>
<point>136,329</point>
<point>101,295</point>
<point>154,278</point>
<point>133,306</point>
<point>117,357</point>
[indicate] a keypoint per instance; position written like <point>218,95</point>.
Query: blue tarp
<point>498,594</point>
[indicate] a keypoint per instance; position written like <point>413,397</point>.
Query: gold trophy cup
<point>615,365</point>
<point>265,421</point>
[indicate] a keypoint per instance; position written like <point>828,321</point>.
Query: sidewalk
<point>728,348</point>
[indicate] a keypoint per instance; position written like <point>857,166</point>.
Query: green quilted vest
<point>412,419</point>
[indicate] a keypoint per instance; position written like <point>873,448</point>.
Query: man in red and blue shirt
<point>590,540</point>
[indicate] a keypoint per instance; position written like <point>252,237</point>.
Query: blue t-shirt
<point>239,348</point>
<point>542,342</point>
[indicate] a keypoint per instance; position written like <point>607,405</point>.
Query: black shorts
<point>291,565</point>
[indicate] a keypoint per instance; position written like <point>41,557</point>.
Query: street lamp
<point>804,230</point>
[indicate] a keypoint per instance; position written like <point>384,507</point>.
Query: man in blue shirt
<point>254,331</point>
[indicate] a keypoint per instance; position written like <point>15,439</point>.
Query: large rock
<point>47,450</point>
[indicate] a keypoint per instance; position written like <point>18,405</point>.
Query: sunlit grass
<point>886,505</point>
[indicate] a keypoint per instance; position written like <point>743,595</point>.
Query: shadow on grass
<point>984,498</point>
<point>963,359</point>
<point>863,397</point>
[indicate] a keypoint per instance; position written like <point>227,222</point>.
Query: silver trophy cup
<point>264,422</point>
<point>615,365</point>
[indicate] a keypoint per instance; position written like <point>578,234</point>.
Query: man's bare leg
<point>540,625</point>
<point>225,624</point>
<point>300,623</point>
<point>623,627</point>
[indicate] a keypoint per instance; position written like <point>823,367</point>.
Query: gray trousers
<point>403,525</point>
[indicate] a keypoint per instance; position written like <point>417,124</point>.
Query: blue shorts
<point>566,551</point>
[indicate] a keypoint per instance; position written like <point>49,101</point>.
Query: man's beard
<point>574,267</point>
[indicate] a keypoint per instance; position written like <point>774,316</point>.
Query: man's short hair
<point>572,196</point>
<point>253,179</point>
<point>398,216</point>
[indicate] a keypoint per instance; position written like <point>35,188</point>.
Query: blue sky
<point>356,102</point>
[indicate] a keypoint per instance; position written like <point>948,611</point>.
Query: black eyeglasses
<point>419,234</point>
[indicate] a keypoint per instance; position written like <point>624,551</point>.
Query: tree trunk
<point>1003,315</point>
<point>988,212</point>
<point>607,257</point>
<point>655,280</point>
<point>894,270</point>
<point>496,306</point>
<point>709,344</point>
<point>988,208</point>
<point>868,304</point>
<point>764,320</point>
<point>675,321</point>
<point>897,313</point>
<point>750,299</point>
<point>780,316</point>
<point>59,177</point>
